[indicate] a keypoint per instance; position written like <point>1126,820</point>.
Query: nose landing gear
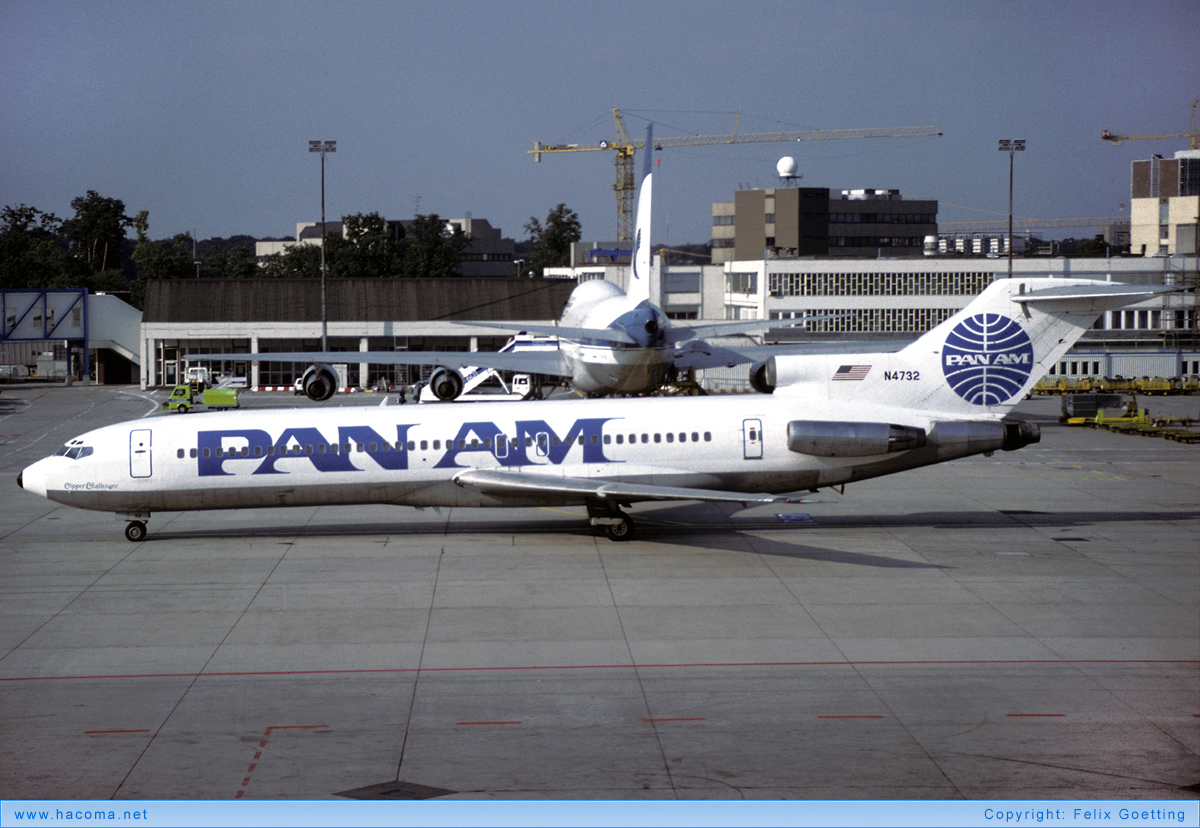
<point>135,527</point>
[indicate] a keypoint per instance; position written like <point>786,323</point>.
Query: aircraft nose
<point>33,479</point>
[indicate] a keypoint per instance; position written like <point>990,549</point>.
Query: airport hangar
<point>884,299</point>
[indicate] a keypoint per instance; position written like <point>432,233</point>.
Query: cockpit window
<point>74,451</point>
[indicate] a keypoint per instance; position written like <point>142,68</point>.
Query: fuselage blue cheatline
<point>900,411</point>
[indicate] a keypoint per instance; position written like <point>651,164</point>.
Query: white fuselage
<point>604,365</point>
<point>412,454</point>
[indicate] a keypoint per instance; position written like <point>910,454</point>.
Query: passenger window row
<point>345,448</point>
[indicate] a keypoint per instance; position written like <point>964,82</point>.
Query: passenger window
<point>683,436</point>
<point>220,452</point>
<point>437,444</point>
<point>608,439</point>
<point>359,446</point>
<point>258,451</point>
<point>528,442</point>
<point>321,448</point>
<point>192,453</point>
<point>645,438</point>
<point>595,440</point>
<point>271,450</point>
<point>620,439</point>
<point>708,436</point>
<point>658,438</point>
<point>695,437</point>
<point>424,445</point>
<point>474,443</point>
<point>208,452</point>
<point>179,454</point>
<point>670,437</point>
<point>308,449</point>
<point>374,447</point>
<point>412,444</point>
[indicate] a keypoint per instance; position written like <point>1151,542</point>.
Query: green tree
<point>300,261</point>
<point>32,253</point>
<point>159,260</point>
<point>552,241</point>
<point>97,232</point>
<point>368,248</point>
<point>432,249</point>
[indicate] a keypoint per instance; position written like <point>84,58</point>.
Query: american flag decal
<point>852,372</point>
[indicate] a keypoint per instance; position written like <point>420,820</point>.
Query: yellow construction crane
<point>625,147</point>
<point>1193,133</point>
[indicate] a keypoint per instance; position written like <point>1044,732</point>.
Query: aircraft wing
<point>684,333</point>
<point>701,354</point>
<point>602,334</point>
<point>530,362</point>
<point>495,482</point>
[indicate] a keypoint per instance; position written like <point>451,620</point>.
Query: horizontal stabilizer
<point>1108,290</point>
<point>684,333</point>
<point>501,483</point>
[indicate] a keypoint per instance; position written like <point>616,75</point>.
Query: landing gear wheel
<point>622,530</point>
<point>135,531</point>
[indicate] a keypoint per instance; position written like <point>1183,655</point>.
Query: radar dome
<point>787,167</point>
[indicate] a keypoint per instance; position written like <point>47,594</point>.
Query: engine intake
<point>446,384</point>
<point>319,383</point>
<point>822,438</point>
<point>758,378</point>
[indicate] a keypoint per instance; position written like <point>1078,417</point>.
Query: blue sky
<point>201,113</point>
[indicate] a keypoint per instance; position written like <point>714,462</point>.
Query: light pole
<point>518,263</point>
<point>1011,146</point>
<point>323,147</point>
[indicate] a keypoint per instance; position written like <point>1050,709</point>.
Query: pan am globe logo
<point>987,359</point>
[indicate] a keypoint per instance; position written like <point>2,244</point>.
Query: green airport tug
<point>192,395</point>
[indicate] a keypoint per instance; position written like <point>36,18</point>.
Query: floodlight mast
<point>323,147</point>
<point>1011,146</point>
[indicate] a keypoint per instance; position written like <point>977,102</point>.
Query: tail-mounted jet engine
<point>446,384</point>
<point>758,379</point>
<point>838,439</point>
<point>319,382</point>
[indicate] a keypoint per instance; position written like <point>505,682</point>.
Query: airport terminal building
<point>876,299</point>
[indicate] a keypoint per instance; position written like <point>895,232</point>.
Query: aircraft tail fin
<point>639,282</point>
<point>989,355</point>
<point>980,362</point>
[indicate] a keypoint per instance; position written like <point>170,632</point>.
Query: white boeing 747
<point>832,419</point>
<point>609,341</point>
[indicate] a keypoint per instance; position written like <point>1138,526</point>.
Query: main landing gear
<point>617,525</point>
<point>135,527</point>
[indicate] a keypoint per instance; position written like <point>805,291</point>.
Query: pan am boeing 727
<point>832,419</point>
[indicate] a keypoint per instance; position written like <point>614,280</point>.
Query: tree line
<point>92,249</point>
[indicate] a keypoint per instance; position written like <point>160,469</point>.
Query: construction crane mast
<point>625,147</point>
<point>1193,133</point>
